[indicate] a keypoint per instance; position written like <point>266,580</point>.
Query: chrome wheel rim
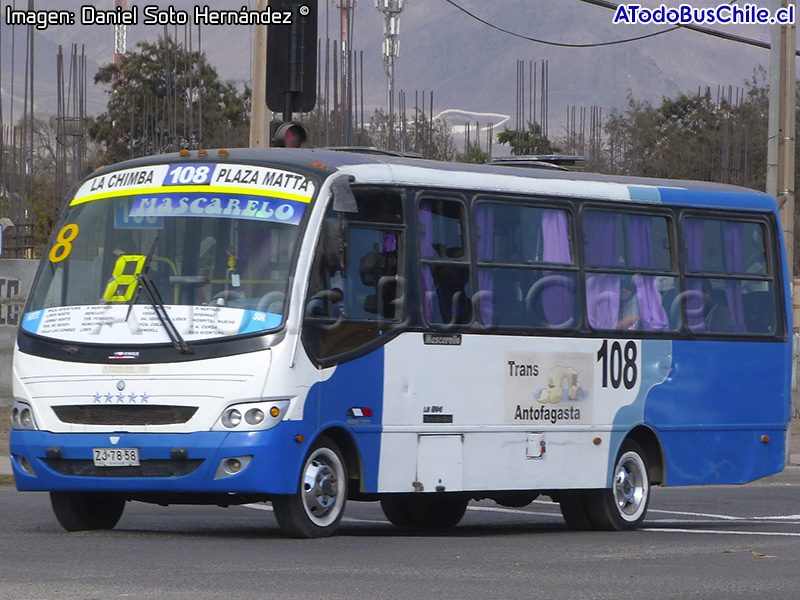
<point>322,500</point>
<point>631,487</point>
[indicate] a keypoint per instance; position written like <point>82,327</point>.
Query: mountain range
<point>468,64</point>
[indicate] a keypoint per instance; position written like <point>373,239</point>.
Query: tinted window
<point>631,282</point>
<point>514,242</point>
<point>730,289</point>
<point>445,272</point>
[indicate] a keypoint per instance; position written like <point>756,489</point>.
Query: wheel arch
<point>350,454</point>
<point>654,452</point>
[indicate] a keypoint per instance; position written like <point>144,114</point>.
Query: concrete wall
<point>16,277</point>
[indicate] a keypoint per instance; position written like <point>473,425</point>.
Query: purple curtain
<point>651,311</point>
<point>602,290</point>
<point>733,264</point>
<point>426,249</point>
<point>254,254</point>
<point>557,298</point>
<point>695,315</point>
<point>485,221</point>
<point>389,243</point>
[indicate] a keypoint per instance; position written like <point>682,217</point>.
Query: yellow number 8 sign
<point>121,279</point>
<point>63,246</point>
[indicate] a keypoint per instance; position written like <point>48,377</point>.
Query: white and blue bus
<point>307,327</point>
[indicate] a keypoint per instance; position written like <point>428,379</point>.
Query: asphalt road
<point>714,542</point>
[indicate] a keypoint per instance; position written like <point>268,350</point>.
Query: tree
<point>527,141</point>
<point>474,154</point>
<point>163,98</point>
<point>420,136</point>
<point>693,137</point>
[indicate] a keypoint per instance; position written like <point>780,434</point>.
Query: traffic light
<point>291,84</point>
<point>286,134</point>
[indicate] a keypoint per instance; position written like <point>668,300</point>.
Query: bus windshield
<point>218,259</point>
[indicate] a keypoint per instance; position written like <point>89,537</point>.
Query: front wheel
<point>317,507</point>
<point>625,504</point>
<point>82,511</point>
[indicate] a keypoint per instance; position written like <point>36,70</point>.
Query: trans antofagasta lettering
<point>546,413</point>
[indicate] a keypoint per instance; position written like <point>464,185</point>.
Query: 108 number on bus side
<point>618,364</point>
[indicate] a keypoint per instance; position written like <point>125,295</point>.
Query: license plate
<point>116,457</point>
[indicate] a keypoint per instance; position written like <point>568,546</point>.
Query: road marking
<point>512,511</point>
<point>788,519</point>
<point>695,514</point>
<point>722,532</point>
<point>268,508</point>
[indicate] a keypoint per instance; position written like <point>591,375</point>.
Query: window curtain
<point>558,296</point>
<point>733,264</point>
<point>651,311</point>
<point>254,254</point>
<point>602,290</point>
<point>695,315</point>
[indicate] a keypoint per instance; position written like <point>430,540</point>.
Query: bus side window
<point>446,288</point>
<point>729,287</point>
<point>526,273</point>
<point>631,275</point>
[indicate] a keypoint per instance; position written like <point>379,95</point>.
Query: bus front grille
<point>148,468</point>
<point>90,414</point>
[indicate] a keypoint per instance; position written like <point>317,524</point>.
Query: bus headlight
<point>251,416</point>
<point>22,416</point>
<point>231,418</point>
<point>254,416</point>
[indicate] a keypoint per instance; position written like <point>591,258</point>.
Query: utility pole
<point>260,115</point>
<point>781,138</point>
<point>346,9</point>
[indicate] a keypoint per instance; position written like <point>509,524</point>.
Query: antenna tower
<point>391,10</point>
<point>120,40</point>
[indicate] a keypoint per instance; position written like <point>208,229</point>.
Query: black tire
<point>575,510</point>
<point>83,511</point>
<point>396,509</point>
<point>437,511</point>
<point>317,508</point>
<point>624,505</point>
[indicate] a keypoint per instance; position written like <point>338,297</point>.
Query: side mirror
<point>343,198</point>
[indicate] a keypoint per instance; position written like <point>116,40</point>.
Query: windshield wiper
<point>145,283</point>
<point>145,269</point>
<point>161,312</point>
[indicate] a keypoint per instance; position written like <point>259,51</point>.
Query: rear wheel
<point>82,511</point>
<point>317,507</point>
<point>625,504</point>
<point>575,510</point>
<point>396,509</point>
<point>438,511</point>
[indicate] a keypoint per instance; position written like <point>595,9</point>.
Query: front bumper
<point>171,463</point>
